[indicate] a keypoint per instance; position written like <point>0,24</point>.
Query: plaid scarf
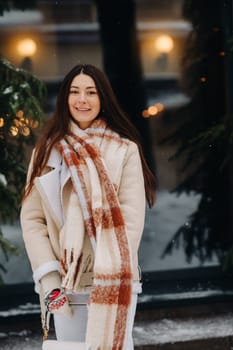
<point>94,201</point>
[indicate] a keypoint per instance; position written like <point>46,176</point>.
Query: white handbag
<point>62,345</point>
<point>53,344</point>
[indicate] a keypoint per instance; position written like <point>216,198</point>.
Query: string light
<point>203,79</point>
<point>19,125</point>
<point>17,122</point>
<point>160,107</point>
<point>25,131</point>
<point>33,123</point>
<point>20,113</point>
<point>153,110</point>
<point>145,113</point>
<point>14,130</point>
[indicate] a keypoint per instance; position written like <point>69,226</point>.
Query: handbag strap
<point>46,320</point>
<point>45,324</point>
<point>52,300</point>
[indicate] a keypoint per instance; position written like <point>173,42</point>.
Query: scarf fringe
<point>70,280</point>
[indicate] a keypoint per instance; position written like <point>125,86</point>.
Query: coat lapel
<point>50,186</point>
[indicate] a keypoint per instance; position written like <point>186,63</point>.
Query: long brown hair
<point>57,126</point>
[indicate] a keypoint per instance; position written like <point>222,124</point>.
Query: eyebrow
<point>88,87</point>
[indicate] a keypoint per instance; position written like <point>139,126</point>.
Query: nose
<point>82,97</point>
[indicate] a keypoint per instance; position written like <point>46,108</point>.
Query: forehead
<point>83,80</point>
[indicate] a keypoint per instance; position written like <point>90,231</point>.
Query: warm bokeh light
<point>160,107</point>
<point>203,79</point>
<point>14,130</point>
<point>26,47</point>
<point>1,122</point>
<point>17,122</point>
<point>164,43</point>
<point>153,110</point>
<point>33,123</point>
<point>145,113</point>
<point>19,114</point>
<point>25,131</point>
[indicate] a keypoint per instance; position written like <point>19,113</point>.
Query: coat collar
<point>55,158</point>
<point>51,184</point>
<point>55,161</point>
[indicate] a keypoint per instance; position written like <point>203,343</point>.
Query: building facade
<point>68,32</point>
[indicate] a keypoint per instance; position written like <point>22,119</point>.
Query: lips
<point>83,109</point>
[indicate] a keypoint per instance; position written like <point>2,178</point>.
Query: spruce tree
<point>205,135</point>
<point>21,101</point>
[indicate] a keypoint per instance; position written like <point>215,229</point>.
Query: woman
<point>83,214</point>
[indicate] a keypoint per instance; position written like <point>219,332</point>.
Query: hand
<point>56,301</point>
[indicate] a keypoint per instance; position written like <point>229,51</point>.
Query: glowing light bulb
<point>25,131</point>
<point>152,110</point>
<point>145,113</point>
<point>34,123</point>
<point>164,43</point>
<point>26,47</point>
<point>160,107</point>
<point>14,130</point>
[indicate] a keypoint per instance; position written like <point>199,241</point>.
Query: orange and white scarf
<point>94,199</point>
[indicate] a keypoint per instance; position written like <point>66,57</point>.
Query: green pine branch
<point>204,139</point>
<point>22,97</point>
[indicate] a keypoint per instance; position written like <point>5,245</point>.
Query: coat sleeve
<point>36,238</point>
<point>131,196</point>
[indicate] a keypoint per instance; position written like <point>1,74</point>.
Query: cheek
<point>98,105</point>
<point>70,100</point>
<point>69,106</point>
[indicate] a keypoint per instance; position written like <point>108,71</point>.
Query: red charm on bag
<point>54,294</point>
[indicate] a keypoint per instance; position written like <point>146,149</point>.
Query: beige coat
<point>43,210</point>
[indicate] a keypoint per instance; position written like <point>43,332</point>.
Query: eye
<point>92,92</point>
<point>73,92</point>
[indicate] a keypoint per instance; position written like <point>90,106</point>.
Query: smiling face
<point>83,100</point>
